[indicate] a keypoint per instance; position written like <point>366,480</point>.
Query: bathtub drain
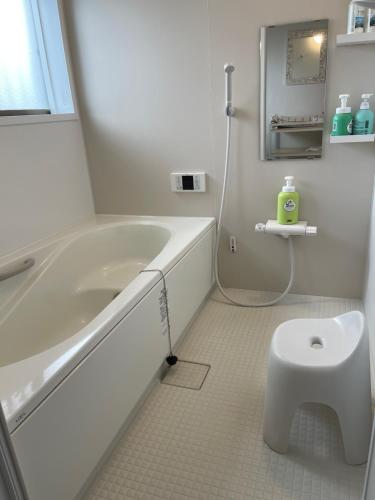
<point>186,374</point>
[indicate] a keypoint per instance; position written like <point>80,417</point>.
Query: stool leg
<point>278,416</point>
<point>356,423</point>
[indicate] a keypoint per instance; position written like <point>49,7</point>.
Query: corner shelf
<point>340,139</point>
<point>355,39</point>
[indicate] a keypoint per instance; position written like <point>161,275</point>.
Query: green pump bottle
<point>342,122</point>
<point>288,203</point>
<point>364,118</point>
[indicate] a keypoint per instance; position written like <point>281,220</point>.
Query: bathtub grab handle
<point>15,268</point>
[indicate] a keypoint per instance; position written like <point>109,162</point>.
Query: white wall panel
<point>152,93</point>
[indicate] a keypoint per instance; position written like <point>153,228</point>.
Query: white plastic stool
<point>321,361</point>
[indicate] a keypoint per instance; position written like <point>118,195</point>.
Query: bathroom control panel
<point>188,182</point>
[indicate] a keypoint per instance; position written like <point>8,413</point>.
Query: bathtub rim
<point>38,272</point>
<point>44,249</point>
<point>118,309</point>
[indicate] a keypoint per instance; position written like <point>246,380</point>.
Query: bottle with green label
<point>342,122</point>
<point>364,118</point>
<point>288,203</point>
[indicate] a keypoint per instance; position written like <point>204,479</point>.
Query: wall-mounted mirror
<point>293,82</point>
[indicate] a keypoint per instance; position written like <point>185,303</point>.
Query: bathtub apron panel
<point>62,441</point>
<point>188,284</point>
<point>59,445</point>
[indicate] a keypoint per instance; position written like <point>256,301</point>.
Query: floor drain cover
<point>186,374</point>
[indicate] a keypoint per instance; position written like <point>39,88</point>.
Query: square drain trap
<point>186,374</point>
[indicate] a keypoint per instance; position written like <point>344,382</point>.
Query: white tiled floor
<point>187,444</point>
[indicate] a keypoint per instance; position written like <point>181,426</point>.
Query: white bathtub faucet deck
<point>321,361</point>
<point>82,319</point>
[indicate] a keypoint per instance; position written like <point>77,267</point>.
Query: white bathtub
<point>83,334</point>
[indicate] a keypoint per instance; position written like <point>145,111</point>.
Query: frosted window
<point>21,75</point>
<point>33,70</point>
<point>60,96</point>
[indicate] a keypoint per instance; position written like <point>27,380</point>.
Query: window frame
<point>53,117</point>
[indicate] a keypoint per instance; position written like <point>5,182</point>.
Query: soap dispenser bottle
<point>364,118</point>
<point>342,122</point>
<point>288,203</point>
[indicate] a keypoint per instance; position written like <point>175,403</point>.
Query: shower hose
<point>218,235</point>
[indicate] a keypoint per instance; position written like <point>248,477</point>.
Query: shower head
<point>229,68</point>
<point>229,109</point>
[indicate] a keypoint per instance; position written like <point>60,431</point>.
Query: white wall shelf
<point>355,39</point>
<point>340,139</point>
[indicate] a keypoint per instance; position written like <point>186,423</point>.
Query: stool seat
<point>318,342</point>
<point>322,361</point>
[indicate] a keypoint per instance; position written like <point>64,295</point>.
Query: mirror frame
<point>262,86</point>
<point>296,35</point>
